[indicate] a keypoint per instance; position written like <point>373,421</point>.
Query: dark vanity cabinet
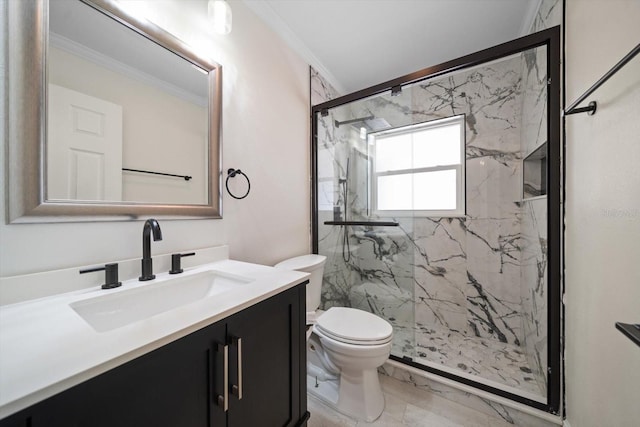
<point>182,384</point>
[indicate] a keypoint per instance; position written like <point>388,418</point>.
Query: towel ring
<point>231,173</point>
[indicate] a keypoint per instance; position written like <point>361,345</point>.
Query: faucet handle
<point>175,262</point>
<point>110,275</point>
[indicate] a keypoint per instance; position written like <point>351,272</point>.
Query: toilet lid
<point>302,262</point>
<point>354,326</point>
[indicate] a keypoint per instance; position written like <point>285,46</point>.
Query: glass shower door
<point>437,204</point>
<point>369,257</point>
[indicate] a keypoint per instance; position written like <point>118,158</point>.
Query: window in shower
<point>418,170</point>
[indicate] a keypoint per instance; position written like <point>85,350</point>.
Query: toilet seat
<point>353,326</point>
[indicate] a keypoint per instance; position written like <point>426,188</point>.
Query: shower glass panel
<point>370,266</point>
<point>463,276</point>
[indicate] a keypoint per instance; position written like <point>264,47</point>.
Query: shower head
<point>377,123</point>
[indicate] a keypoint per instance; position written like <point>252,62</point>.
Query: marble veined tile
<point>425,393</point>
<point>391,303</point>
<point>321,89</point>
<point>409,403</point>
<point>418,417</point>
<point>534,295</point>
<point>500,362</point>
<point>548,15</point>
<point>324,416</point>
<point>488,96</point>
<point>422,404</point>
<point>493,187</point>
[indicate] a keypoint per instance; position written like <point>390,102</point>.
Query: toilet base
<point>358,396</point>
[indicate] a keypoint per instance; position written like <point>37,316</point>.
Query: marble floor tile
<point>394,408</point>
<point>405,406</point>
<point>438,406</point>
<point>419,417</point>
<point>384,421</point>
<point>323,416</point>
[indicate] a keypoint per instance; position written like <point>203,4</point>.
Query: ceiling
<point>359,43</point>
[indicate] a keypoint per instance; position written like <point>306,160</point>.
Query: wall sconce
<point>219,13</point>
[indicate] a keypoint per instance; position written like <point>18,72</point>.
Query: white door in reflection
<point>84,147</point>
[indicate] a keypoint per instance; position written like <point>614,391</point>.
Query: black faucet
<point>147,263</point>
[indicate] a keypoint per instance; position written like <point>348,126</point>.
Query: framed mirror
<point>109,116</point>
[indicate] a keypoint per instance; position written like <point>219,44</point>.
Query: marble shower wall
<point>467,269</point>
<point>333,146</point>
<point>549,14</point>
<point>321,89</point>
<point>366,267</point>
<point>462,273</point>
<point>534,289</point>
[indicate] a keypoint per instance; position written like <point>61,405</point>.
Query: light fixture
<point>219,13</point>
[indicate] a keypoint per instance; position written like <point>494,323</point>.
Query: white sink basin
<point>114,310</point>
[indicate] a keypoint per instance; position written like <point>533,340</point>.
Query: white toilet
<point>345,347</point>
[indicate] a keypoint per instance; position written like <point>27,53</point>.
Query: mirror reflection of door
<point>84,141</point>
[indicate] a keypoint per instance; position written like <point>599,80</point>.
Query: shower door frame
<point>549,38</point>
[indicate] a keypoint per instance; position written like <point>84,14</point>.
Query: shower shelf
<point>366,223</point>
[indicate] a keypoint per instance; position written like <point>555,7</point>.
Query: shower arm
<point>348,122</point>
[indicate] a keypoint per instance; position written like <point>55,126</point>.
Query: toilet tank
<point>313,264</point>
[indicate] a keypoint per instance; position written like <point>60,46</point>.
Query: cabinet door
<point>171,386</point>
<point>16,420</point>
<point>271,334</point>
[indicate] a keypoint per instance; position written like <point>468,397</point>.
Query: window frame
<point>460,169</point>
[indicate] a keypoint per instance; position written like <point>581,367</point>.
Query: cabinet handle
<point>237,389</point>
<point>223,399</point>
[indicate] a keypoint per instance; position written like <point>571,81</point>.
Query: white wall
<point>602,216</point>
<point>265,134</point>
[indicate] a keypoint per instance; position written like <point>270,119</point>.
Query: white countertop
<point>46,347</point>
